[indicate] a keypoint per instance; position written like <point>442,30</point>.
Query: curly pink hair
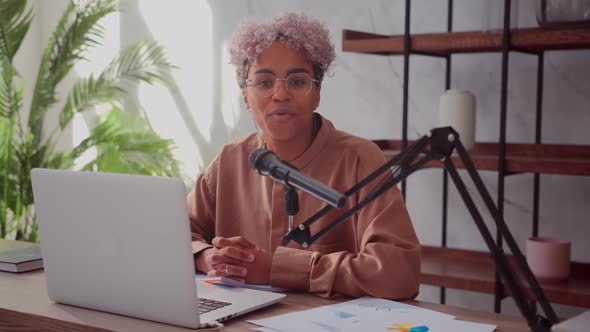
<point>294,30</point>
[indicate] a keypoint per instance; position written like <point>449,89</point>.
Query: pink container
<point>548,258</point>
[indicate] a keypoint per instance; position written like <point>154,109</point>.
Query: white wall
<point>198,114</point>
<point>364,97</point>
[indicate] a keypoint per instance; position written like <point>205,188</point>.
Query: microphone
<point>267,163</point>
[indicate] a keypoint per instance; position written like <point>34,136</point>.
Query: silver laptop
<point>121,244</point>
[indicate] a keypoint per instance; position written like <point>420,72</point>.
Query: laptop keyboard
<point>206,305</point>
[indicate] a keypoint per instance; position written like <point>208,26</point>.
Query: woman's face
<point>284,114</point>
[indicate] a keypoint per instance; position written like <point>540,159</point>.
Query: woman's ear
<point>317,100</point>
<point>245,96</point>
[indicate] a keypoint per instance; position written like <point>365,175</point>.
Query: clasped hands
<point>235,258</point>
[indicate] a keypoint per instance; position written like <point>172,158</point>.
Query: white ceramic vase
<point>457,109</point>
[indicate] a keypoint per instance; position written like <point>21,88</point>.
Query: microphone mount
<point>439,144</point>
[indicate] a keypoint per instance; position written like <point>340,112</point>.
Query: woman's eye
<point>265,83</point>
<point>298,82</point>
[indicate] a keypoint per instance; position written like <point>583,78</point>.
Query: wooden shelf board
<point>529,40</point>
<point>475,270</point>
<point>520,158</point>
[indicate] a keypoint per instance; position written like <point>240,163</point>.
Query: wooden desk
<point>24,306</point>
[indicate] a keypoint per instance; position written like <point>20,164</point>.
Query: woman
<point>238,217</point>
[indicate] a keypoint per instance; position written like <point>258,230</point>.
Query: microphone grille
<point>255,156</point>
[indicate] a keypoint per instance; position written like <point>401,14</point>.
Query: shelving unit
<point>475,271</point>
<point>441,44</point>
<point>520,158</point>
<point>468,269</point>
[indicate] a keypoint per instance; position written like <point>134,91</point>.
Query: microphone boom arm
<point>439,144</point>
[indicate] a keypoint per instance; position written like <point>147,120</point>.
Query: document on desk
<point>368,314</point>
<point>577,323</point>
<point>233,283</point>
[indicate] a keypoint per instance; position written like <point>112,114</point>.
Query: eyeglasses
<point>297,84</point>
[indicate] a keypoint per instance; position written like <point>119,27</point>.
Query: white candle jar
<point>457,109</point>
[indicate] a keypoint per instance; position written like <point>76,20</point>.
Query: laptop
<point>121,244</point>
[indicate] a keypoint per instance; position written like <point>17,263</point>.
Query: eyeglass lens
<point>296,84</point>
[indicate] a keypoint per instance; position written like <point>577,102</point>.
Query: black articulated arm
<point>439,144</point>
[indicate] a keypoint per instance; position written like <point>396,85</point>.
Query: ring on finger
<point>226,270</point>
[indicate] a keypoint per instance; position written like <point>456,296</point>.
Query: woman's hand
<point>259,269</point>
<point>228,258</point>
<point>244,254</point>
<point>236,258</point>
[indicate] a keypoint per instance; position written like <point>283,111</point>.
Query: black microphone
<point>267,163</point>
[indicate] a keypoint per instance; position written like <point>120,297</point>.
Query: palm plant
<point>123,140</point>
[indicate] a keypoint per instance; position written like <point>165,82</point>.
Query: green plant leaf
<point>144,61</point>
<point>124,141</point>
<point>15,22</point>
<point>126,144</point>
<point>10,96</point>
<point>87,93</point>
<point>9,177</point>
<point>6,93</point>
<point>77,30</point>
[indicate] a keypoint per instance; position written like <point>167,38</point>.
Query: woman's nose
<point>280,90</point>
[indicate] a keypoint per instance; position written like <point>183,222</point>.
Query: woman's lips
<point>280,116</point>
